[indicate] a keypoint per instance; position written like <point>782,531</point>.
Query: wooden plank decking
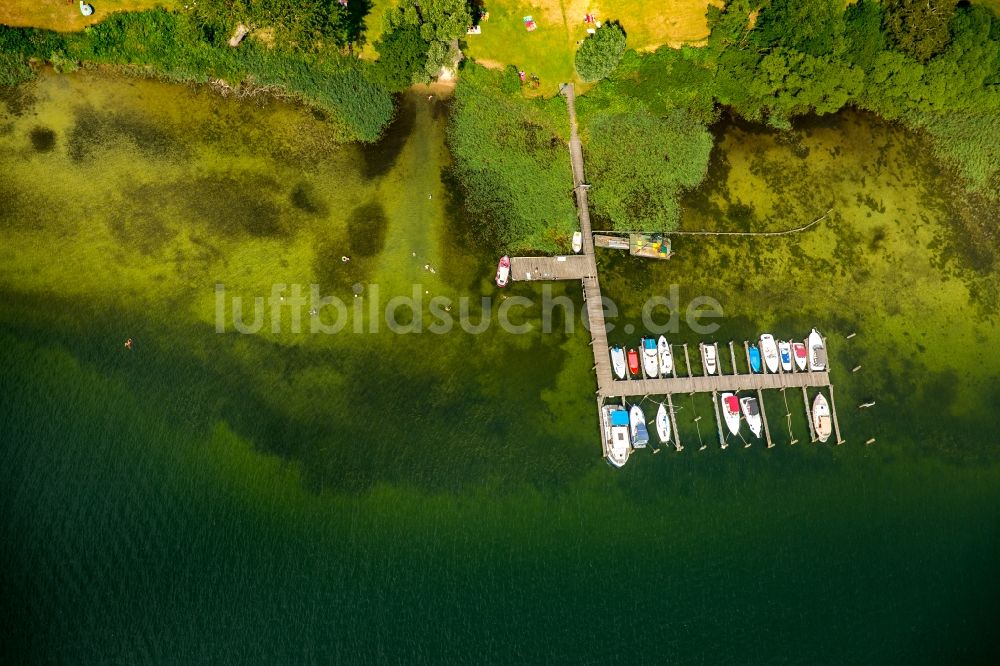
<point>571,267</point>
<point>712,383</point>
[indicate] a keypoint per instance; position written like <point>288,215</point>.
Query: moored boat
<point>769,350</point>
<point>785,355</point>
<point>577,241</point>
<point>637,425</point>
<point>822,423</point>
<point>662,424</point>
<point>503,271</point>
<point>754,358</point>
<point>731,411</point>
<point>817,351</point>
<point>650,358</point>
<point>800,355</point>
<point>617,444</point>
<point>751,412</point>
<point>666,358</point>
<point>633,362</point>
<point>708,359</point>
<point>618,361</point>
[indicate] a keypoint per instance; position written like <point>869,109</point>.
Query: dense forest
<point>933,65</point>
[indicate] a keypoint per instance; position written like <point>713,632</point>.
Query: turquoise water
<point>371,498</point>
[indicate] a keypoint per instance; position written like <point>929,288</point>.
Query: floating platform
<point>650,246</point>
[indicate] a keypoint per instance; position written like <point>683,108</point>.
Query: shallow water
<point>375,497</point>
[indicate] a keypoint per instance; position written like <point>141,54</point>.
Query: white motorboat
<point>822,423</point>
<point>503,271</point>
<point>817,351</point>
<point>666,358</point>
<point>731,411</point>
<point>637,426</point>
<point>577,241</point>
<point>662,424</point>
<point>617,444</point>
<point>650,358</point>
<point>800,354</point>
<point>618,361</point>
<point>751,412</point>
<point>769,350</point>
<point>785,355</point>
<point>708,359</point>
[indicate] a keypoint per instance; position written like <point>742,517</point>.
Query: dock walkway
<point>571,267</point>
<point>713,383</point>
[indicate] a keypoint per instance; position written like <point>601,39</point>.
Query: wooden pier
<point>583,267</point>
<point>709,383</point>
<point>569,267</point>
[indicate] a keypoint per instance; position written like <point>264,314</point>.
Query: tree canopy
<point>600,52</point>
<point>440,22</point>
<point>402,54</point>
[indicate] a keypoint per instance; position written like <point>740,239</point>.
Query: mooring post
<point>809,420</point>
<point>673,422</point>
<point>718,419</point>
<point>833,410</point>
<point>763,417</point>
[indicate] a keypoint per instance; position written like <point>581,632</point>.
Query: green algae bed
<point>375,496</point>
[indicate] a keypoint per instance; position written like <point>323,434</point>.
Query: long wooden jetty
<point>712,383</point>
<point>583,267</point>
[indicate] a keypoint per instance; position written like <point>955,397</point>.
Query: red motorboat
<point>503,271</point>
<point>633,362</point>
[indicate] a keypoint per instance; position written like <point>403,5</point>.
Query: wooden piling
<point>718,419</point>
<point>673,424</point>
<point>809,420</point>
<point>833,410</point>
<point>763,417</point>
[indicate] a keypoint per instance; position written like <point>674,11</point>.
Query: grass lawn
<point>548,51</point>
<point>65,16</point>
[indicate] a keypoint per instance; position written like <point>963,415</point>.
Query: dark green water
<point>289,497</point>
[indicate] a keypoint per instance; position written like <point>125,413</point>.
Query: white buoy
<point>86,9</point>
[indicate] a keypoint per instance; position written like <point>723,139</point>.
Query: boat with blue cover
<point>754,358</point>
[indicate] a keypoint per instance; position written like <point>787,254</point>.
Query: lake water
<point>371,496</point>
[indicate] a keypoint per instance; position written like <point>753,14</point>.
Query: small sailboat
<point>637,424</point>
<point>822,423</point>
<point>731,411</point>
<point>633,362</point>
<point>662,424</point>
<point>666,358</point>
<point>754,358</point>
<point>751,412</point>
<point>650,358</point>
<point>817,351</point>
<point>785,355</point>
<point>617,443</point>
<point>769,351</point>
<point>708,358</point>
<point>800,355</point>
<point>503,271</point>
<point>618,361</point>
<point>577,241</point>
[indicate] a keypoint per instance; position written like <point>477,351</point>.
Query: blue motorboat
<point>754,358</point>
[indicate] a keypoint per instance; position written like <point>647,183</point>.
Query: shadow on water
<point>378,159</point>
<point>93,129</point>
